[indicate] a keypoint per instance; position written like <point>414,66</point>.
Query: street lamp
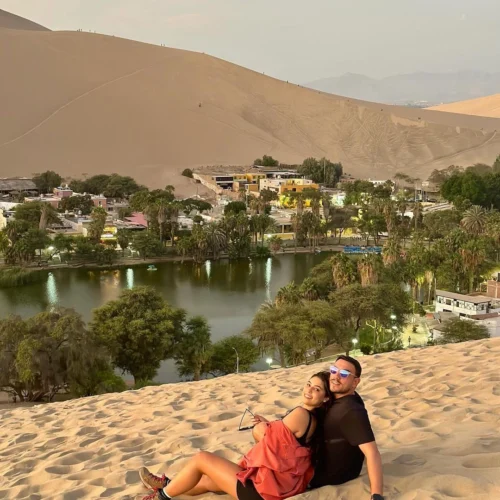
<point>269,361</point>
<point>393,316</point>
<point>355,341</point>
<point>237,360</point>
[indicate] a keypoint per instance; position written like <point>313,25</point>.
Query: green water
<point>227,293</point>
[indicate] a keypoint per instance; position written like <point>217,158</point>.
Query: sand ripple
<point>436,414</point>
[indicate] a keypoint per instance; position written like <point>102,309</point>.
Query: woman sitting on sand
<point>279,466</point>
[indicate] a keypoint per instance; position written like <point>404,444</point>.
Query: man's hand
<point>374,467</point>
<point>257,419</point>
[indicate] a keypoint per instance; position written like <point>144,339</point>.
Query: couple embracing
<point>324,441</point>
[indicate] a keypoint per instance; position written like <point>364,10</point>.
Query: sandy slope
<point>435,411</point>
<point>13,22</point>
<point>483,106</point>
<point>88,103</point>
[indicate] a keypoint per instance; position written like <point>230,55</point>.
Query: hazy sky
<point>297,40</point>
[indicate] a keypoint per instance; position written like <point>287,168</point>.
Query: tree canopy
<point>321,171</point>
<point>47,181</point>
<point>462,330</point>
<point>139,330</point>
<point>52,352</point>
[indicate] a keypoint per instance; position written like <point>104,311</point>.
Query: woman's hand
<point>257,419</point>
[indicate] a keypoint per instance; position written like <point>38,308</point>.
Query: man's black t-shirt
<point>346,427</point>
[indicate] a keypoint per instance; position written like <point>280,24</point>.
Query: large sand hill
<point>435,412</point>
<point>483,106</point>
<point>86,103</point>
<point>13,22</point>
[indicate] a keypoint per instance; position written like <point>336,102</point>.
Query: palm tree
<point>4,242</point>
<point>275,243</point>
<point>473,255</point>
<point>194,349</point>
<point>266,329</point>
<point>389,212</point>
<point>368,269</point>
<point>474,220</point>
<point>392,251</point>
<point>174,208</point>
<point>312,227</point>
<point>326,203</point>
<point>308,290</point>
<point>343,270</point>
<point>296,220</point>
<point>44,215</point>
<point>254,227</point>
<point>161,208</point>
<point>288,295</point>
<point>216,239</point>
<point>266,225</point>
<point>417,213</point>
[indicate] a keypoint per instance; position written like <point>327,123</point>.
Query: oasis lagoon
<point>227,293</point>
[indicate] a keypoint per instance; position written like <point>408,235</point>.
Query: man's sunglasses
<point>241,421</point>
<point>343,373</point>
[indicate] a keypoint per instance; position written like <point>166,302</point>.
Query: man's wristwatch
<point>376,496</point>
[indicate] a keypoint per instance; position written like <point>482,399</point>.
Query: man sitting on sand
<point>348,435</point>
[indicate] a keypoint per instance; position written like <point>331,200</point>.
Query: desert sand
<point>13,22</point>
<point>79,102</point>
<point>435,412</point>
<point>483,106</point>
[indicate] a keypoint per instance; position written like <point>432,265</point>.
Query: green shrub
<point>261,253</point>
<point>17,276</point>
<point>366,349</point>
<point>187,172</point>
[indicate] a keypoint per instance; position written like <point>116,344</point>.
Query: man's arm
<point>374,466</point>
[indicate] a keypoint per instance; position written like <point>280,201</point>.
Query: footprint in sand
<point>223,416</point>
<point>409,459</point>
<point>485,461</point>
<point>23,438</point>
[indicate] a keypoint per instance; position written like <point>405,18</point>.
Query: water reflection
<point>130,278</point>
<point>269,273</point>
<point>52,295</point>
<point>227,293</point>
<point>208,268</point>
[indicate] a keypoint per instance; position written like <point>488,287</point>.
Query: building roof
<point>484,316</point>
<point>17,185</point>
<point>474,299</point>
<point>138,218</point>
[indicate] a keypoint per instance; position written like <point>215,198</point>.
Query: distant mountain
<point>80,103</point>
<point>483,106</point>
<point>418,89</point>
<point>13,22</point>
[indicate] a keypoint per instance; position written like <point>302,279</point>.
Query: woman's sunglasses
<point>241,421</point>
<point>343,373</point>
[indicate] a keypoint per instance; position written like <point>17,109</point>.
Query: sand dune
<point>13,22</point>
<point>435,411</point>
<point>483,106</point>
<point>86,103</point>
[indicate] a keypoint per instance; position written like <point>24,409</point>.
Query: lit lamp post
<point>354,344</point>
<point>237,360</point>
<point>269,361</point>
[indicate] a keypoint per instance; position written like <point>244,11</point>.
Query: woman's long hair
<point>319,413</point>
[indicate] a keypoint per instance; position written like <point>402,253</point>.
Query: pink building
<point>63,192</point>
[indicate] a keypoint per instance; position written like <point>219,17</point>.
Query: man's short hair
<point>354,362</point>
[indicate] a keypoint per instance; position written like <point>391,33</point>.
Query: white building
<point>465,305</point>
<point>490,321</point>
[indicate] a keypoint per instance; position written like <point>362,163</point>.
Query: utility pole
<point>237,360</point>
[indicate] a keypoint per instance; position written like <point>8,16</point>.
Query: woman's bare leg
<point>259,431</point>
<point>221,471</point>
<point>205,485</point>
